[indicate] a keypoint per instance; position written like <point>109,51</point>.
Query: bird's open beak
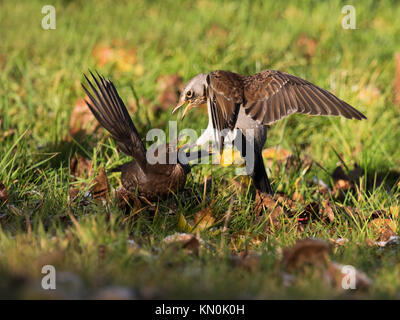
<point>180,104</point>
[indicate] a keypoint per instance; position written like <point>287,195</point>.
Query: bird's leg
<point>252,154</point>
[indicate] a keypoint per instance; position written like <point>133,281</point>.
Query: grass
<point>40,80</point>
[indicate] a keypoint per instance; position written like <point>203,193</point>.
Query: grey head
<point>194,93</point>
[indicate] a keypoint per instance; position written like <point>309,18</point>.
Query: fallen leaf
<point>306,252</point>
<point>337,275</point>
<point>3,193</point>
<point>216,31</point>
<point>230,157</point>
<point>392,241</point>
<point>73,193</point>
<point>307,45</point>
<point>285,201</point>
<point>250,261</point>
<point>383,228</point>
<point>6,133</point>
<point>276,153</point>
<point>101,187</point>
<point>80,166</point>
<point>204,218</point>
<point>272,209</point>
<point>126,199</point>
<point>187,241</point>
<point>328,210</point>
<point>126,59</point>
<point>103,54</point>
<point>82,120</point>
<point>123,57</point>
<point>369,94</point>
<point>339,241</point>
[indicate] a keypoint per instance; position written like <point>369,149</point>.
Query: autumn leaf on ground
<point>189,242</point>
<point>3,194</point>
<point>383,228</point>
<point>276,153</point>
<point>101,187</point>
<point>340,276</point>
<point>5,134</point>
<point>250,261</point>
<point>316,254</point>
<point>369,94</point>
<point>120,55</point>
<point>80,166</point>
<point>82,120</point>
<point>125,199</point>
<point>230,157</point>
<point>103,54</point>
<point>272,209</point>
<point>306,252</point>
<point>204,218</point>
<point>339,241</point>
<point>216,31</point>
<point>327,210</point>
<point>307,45</point>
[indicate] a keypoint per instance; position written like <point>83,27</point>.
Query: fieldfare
<point>237,103</point>
<point>150,180</point>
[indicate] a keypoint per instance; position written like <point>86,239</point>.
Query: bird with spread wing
<point>247,104</point>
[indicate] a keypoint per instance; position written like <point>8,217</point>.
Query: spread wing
<point>109,109</point>
<point>272,95</point>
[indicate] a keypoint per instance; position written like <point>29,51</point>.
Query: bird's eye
<point>189,94</point>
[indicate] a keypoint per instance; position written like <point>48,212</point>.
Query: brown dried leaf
<point>204,218</point>
<point>383,228</point>
<point>250,261</point>
<point>187,241</point>
<point>276,153</point>
<point>103,54</point>
<point>101,187</point>
<point>328,210</point>
<point>272,208</point>
<point>80,166</point>
<point>73,193</point>
<point>216,31</point>
<point>7,133</point>
<point>82,120</point>
<point>307,45</point>
<point>285,201</point>
<point>335,276</point>
<point>125,199</point>
<point>339,241</point>
<point>340,189</point>
<point>3,193</point>
<point>306,252</point>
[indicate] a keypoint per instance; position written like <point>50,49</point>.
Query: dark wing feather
<point>225,96</point>
<point>109,109</point>
<point>282,94</point>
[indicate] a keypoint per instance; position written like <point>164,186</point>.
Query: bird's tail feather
<point>109,109</point>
